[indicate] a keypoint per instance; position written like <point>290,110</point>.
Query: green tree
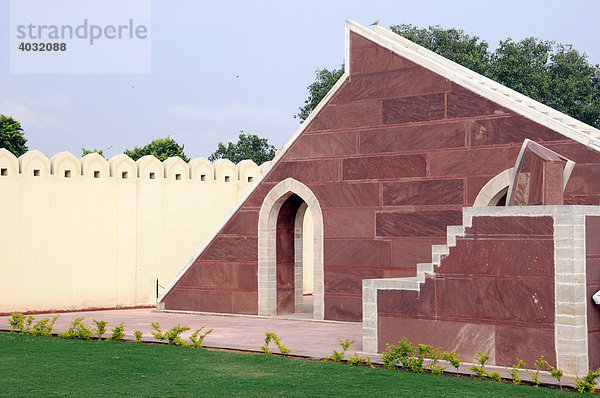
<point>325,79</point>
<point>249,146</point>
<point>11,136</point>
<point>161,148</point>
<point>454,44</point>
<point>87,151</point>
<point>554,74</point>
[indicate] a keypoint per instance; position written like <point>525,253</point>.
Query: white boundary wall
<point>91,233</point>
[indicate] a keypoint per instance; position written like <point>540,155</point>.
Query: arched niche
<point>176,169</point>
<point>201,170</point>
<point>94,166</point>
<point>149,168</point>
<point>9,164</point>
<point>65,165</point>
<point>248,171</point>
<point>225,171</point>
<point>34,164</point>
<point>122,167</point>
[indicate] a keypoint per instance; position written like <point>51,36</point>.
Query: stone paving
<point>304,337</point>
<point>308,338</point>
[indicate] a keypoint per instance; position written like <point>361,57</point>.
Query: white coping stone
<point>494,189</point>
<point>481,85</point>
<point>425,267</point>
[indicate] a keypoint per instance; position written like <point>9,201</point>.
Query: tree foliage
<point>325,79</point>
<point>249,146</point>
<point>454,44</point>
<point>11,136</point>
<point>86,151</point>
<point>549,72</point>
<point>161,148</point>
<point>554,74</point>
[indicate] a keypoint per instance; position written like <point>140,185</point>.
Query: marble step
<point>426,268</point>
<point>438,252</point>
<point>411,283</point>
<point>452,231</point>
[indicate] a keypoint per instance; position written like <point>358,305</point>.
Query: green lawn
<point>42,366</point>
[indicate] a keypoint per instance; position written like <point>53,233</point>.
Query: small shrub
<point>585,384</point>
<point>514,371</point>
<point>360,361</point>
<point>337,356</point>
<point>27,325</point>
<point>453,358</point>
<point>416,364</point>
<point>43,327</point>
<point>270,336</point>
<point>171,336</point>
<point>138,336</point>
<point>539,364</point>
<point>409,357</point>
<point>196,338</point>
<point>406,353</point>
<point>158,335</point>
<point>346,344</point>
<point>479,372</point>
<point>100,329</point>
<point>39,327</point>
<point>391,357</point>
<point>117,333</point>
<point>77,330</point>
<point>495,376</point>
<point>554,372</point>
<point>434,365</point>
<point>17,322</point>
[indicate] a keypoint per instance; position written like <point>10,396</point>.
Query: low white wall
<point>91,233</point>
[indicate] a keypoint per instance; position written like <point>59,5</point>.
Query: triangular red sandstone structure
<point>387,161</point>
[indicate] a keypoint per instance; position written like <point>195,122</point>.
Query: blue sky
<point>199,48</point>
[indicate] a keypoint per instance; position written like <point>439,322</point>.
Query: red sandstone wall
<point>592,226</point>
<point>392,159</point>
<point>493,293</point>
<point>285,255</point>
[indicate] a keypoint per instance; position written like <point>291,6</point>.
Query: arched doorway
<point>282,249</point>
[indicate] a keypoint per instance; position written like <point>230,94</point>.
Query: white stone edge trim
<point>494,189</point>
<point>570,331</point>
<point>570,301</point>
<point>566,171</point>
<point>299,258</point>
<point>504,96</point>
<point>267,246</point>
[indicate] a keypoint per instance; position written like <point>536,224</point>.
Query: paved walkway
<point>304,337</point>
<point>309,338</point>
